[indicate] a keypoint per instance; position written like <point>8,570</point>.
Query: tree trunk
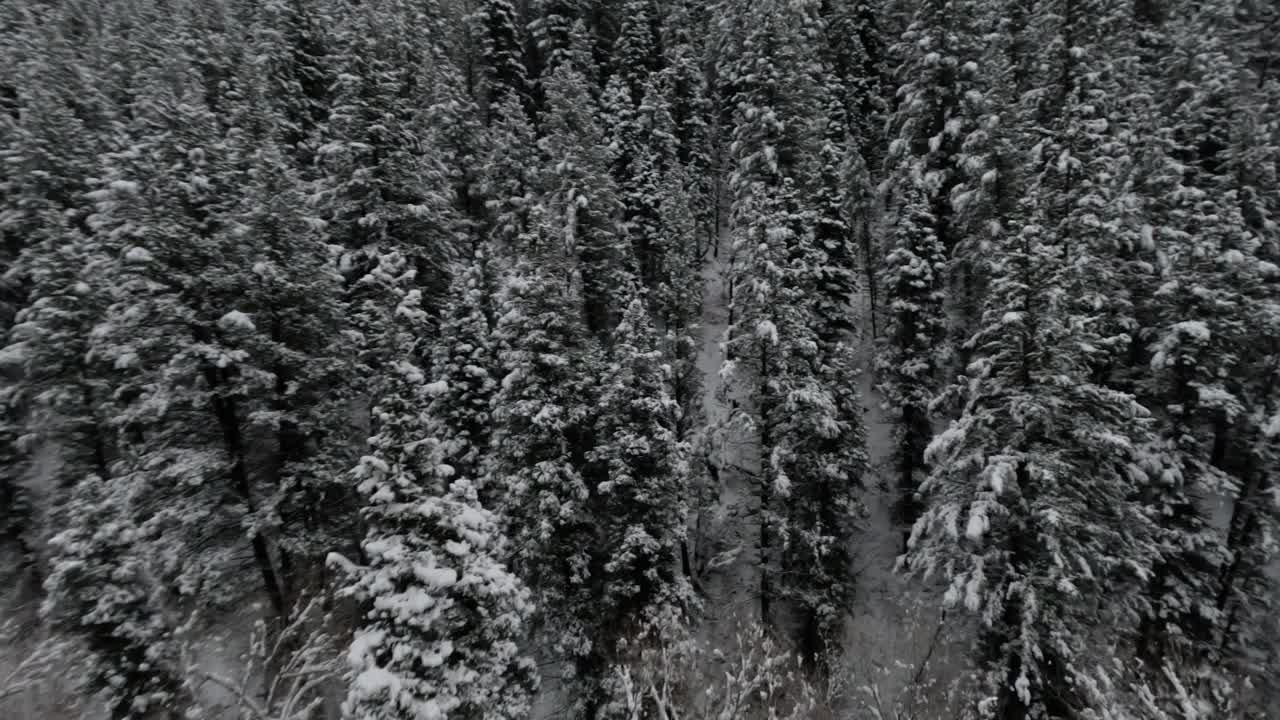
<point>224,410</point>
<point>908,509</point>
<point>1243,523</point>
<point>766,491</point>
<point>868,260</point>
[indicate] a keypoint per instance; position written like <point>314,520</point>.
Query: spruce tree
<point>823,455</point>
<point>179,334</point>
<point>827,182</point>
<point>855,52</point>
<point>1040,470</point>
<point>384,187</point>
<point>464,368</point>
<point>640,501</point>
<point>908,365</point>
<point>51,298</point>
<point>678,300</point>
<point>498,32</point>
<point>936,79</point>
<point>290,43</point>
<point>442,616</point>
<point>683,38</point>
<point>101,588</point>
<point>643,498</point>
<point>581,197</point>
<point>770,327</point>
<point>512,178</point>
<point>544,419</point>
<point>295,294</point>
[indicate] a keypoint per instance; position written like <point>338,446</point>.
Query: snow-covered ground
<point>895,638</point>
<point>730,597</point>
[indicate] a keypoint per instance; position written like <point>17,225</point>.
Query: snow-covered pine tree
<point>497,30</point>
<point>936,77</point>
<point>1045,463</point>
<point>908,364</point>
<point>56,393</point>
<point>581,197</point>
<point>49,395</point>
<point>384,187</point>
<point>295,297</point>
<point>765,65</point>
<point>179,336</point>
<point>288,43</point>
<point>13,496</point>
<point>512,178</point>
<point>454,137</point>
<point>638,446</point>
<point>770,328</point>
<point>822,451</point>
<point>1214,343</point>
<point>677,300</point>
<point>928,125</point>
<point>1041,469</point>
<point>989,167</point>
<point>554,32</point>
<point>1246,445</point>
<point>855,52</point>
<point>442,616</point>
<point>464,368</point>
<point>635,56</point>
<point>101,588</point>
<point>640,503</point>
<point>685,27</point>
<point>1089,145</point>
<point>827,184</point>
<point>785,361</point>
<point>544,426</point>
<point>1181,332</point>
<point>633,168</point>
<point>645,154</point>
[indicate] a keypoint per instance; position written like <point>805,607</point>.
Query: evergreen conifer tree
<point>908,363</point>
<point>442,616</point>
<point>101,589</point>
<point>544,426</point>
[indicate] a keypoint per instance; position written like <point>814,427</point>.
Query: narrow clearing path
<point>892,628</point>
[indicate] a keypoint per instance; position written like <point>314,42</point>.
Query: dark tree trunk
<point>225,411</point>
<point>766,490</point>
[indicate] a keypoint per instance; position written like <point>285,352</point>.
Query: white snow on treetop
<point>236,320</point>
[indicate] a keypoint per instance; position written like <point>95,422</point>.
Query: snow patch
<point>410,372</point>
<point>767,331</point>
<point>236,320</point>
<point>138,255</point>
<point>1194,329</point>
<point>437,577</point>
<point>977,525</point>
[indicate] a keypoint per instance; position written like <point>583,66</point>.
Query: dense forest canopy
<point>424,359</point>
